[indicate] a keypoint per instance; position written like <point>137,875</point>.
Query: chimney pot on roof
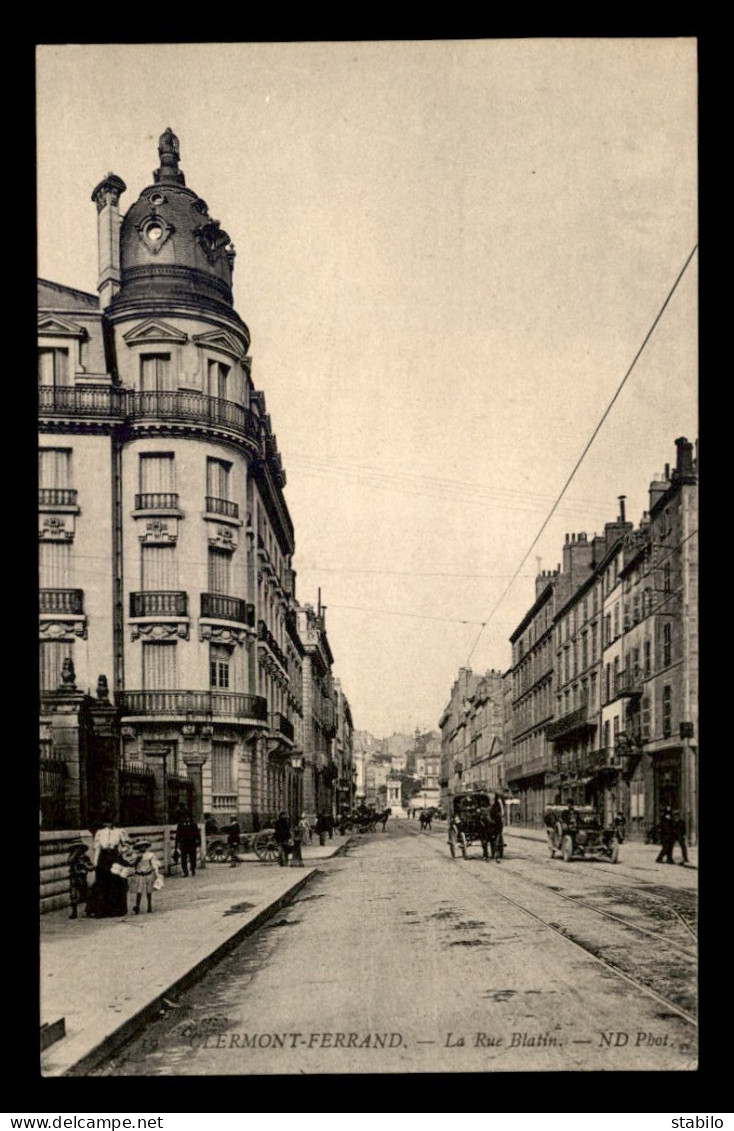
<point>667,471</point>
<point>568,539</point>
<point>621,507</point>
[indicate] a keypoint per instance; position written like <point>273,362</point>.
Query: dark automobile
<point>467,825</point>
<point>579,832</point>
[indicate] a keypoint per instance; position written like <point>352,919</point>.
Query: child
<point>79,866</point>
<point>147,874</point>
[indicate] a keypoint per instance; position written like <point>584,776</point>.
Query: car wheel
<point>567,848</point>
<point>614,855</point>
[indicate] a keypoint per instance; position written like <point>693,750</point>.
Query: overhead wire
<point>590,441</point>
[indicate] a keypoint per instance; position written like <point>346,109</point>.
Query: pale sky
<point>448,254</point>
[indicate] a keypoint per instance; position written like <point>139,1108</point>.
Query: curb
<point>128,1028</point>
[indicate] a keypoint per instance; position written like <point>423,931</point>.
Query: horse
<point>425,819</point>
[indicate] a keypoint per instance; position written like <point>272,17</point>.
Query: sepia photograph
<point>368,457</point>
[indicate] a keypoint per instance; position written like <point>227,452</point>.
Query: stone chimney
<point>577,557</point>
<point>684,463</point>
<point>658,487</point>
<point>107,198</point>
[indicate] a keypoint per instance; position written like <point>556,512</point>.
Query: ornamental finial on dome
<point>169,153</point>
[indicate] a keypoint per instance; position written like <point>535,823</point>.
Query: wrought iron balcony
<point>164,603</point>
<point>628,683</point>
<point>57,496</point>
<point>282,725</point>
<point>219,607</point>
<point>156,501</point>
<point>266,637</point>
<point>597,759</point>
<point>173,405</point>
<point>65,601</point>
<point>575,722</point>
<point>222,506</point>
<point>193,704</point>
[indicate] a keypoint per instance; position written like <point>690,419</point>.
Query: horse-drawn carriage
<point>578,832</point>
<point>365,820</point>
<point>469,822</point>
<point>262,843</point>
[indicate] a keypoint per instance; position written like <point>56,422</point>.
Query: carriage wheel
<point>567,848</point>
<point>265,847</point>
<point>216,854</point>
<point>462,843</point>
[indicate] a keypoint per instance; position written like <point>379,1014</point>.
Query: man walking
<point>282,837</point>
<point>188,839</point>
<point>667,837</point>
<point>679,835</point>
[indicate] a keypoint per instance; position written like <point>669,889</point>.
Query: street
<point>396,958</point>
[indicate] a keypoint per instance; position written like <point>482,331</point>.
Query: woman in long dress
<point>110,890</point>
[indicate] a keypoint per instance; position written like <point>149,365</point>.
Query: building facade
<point>166,545</point>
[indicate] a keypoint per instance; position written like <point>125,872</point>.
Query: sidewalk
<point>105,977</point>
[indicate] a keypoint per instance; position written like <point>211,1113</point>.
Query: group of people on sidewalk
<point>118,867</point>
<point>290,837</point>
<point>672,832</point>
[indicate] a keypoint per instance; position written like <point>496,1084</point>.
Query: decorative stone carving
<point>160,630</point>
<point>103,690</point>
<point>56,528</point>
<point>188,730</point>
<point>129,734</point>
<point>153,330</point>
<point>223,537</point>
<point>219,634</point>
<point>60,629</point>
<point>154,232</point>
<point>158,531</point>
<point>207,730</point>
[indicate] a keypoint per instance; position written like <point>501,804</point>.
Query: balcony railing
<point>65,601</point>
<point>628,683</point>
<point>219,607</point>
<point>283,725</point>
<point>57,496</point>
<point>131,404</point>
<point>166,603</point>
<point>224,801</point>
<point>573,722</point>
<point>265,635</point>
<point>226,704</point>
<point>156,501</point>
<point>222,506</point>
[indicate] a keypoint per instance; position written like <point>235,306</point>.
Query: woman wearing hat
<point>110,894</point>
<point>147,873</point>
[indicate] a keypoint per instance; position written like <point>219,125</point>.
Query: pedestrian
<point>305,826</point>
<point>80,865</point>
<point>679,834</point>
<point>211,827</point>
<point>321,828</point>
<point>233,842</point>
<point>108,858</point>
<point>298,838</point>
<point>667,837</point>
<point>283,838</point>
<point>497,818</point>
<point>147,877</point>
<point>188,840</point>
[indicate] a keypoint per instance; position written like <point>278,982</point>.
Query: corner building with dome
<point>174,657</point>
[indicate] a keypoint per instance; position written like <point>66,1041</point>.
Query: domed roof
<point>170,247</point>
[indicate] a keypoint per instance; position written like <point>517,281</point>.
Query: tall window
<point>52,654</point>
<point>608,628</point>
<point>160,666</point>
<point>217,478</point>
<point>156,372</point>
<point>222,768</point>
<point>666,577</point>
<point>607,683</point>
<point>157,473</point>
<point>220,657</point>
<point>53,367</point>
<point>584,651</point>
<point>667,644</point>
<point>647,653</point>
<point>667,712</point>
<point>159,572</point>
<point>616,620</point>
<point>217,375</point>
<point>219,571</point>
<point>606,735</point>
<point>645,717</point>
<point>54,565</point>
<point>54,467</point>
<point>616,730</point>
